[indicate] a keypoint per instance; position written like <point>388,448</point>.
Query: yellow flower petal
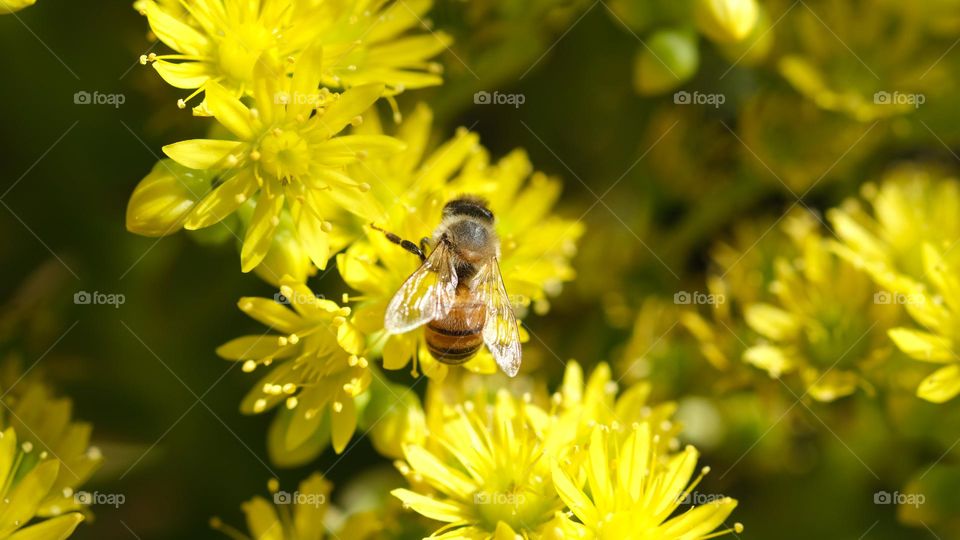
<point>769,358</point>
<point>259,235</point>
<point>922,345</point>
<point>448,481</point>
<point>25,497</point>
<point>942,385</point>
<point>58,528</point>
<point>271,313</point>
<point>222,201</point>
<point>201,153</point>
<point>229,111</point>
<point>262,520</point>
<point>352,103</point>
<point>573,496</point>
<point>175,34</point>
<point>772,322</point>
<point>186,75</point>
<point>431,508</point>
<point>343,423</point>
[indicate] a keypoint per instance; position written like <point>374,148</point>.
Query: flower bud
<point>754,48</point>
<point>400,422</point>
<point>669,59</point>
<point>161,201</point>
<point>726,21</point>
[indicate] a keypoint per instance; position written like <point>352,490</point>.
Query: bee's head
<point>468,206</point>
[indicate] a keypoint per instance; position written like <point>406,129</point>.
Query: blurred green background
<point>165,408</point>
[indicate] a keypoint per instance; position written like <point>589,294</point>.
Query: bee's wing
<point>428,294</point>
<point>500,331</point>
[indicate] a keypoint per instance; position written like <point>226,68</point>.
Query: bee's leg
<point>405,244</point>
<point>424,244</point>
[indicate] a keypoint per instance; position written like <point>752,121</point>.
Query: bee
<point>458,292</point>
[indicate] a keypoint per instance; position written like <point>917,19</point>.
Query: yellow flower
<point>624,489</point>
<point>826,322</point>
<point>487,472</point>
<point>9,6</point>
<point>44,457</point>
<point>320,373</point>
<point>836,63</point>
<point>485,469</point>
<point>911,207</point>
<point>411,188</point>
<point>287,154</point>
<point>289,516</point>
<point>742,269</point>
<point>937,309</point>
<point>365,41</point>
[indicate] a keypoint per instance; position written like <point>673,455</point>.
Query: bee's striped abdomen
<point>457,337</point>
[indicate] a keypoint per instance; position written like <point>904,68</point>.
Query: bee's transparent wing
<point>427,295</point>
<point>500,331</point>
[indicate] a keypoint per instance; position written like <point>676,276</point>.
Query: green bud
<point>161,201</point>
<point>669,59</point>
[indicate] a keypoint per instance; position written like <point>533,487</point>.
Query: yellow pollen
<point>249,366</point>
<point>337,406</point>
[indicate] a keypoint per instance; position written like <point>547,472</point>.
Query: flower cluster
<point>583,463</point>
<point>46,456</point>
<point>284,81</point>
<point>836,311</point>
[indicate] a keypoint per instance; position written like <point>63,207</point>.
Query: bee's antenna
<point>405,244</point>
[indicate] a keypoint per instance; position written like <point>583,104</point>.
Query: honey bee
<point>458,292</point>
